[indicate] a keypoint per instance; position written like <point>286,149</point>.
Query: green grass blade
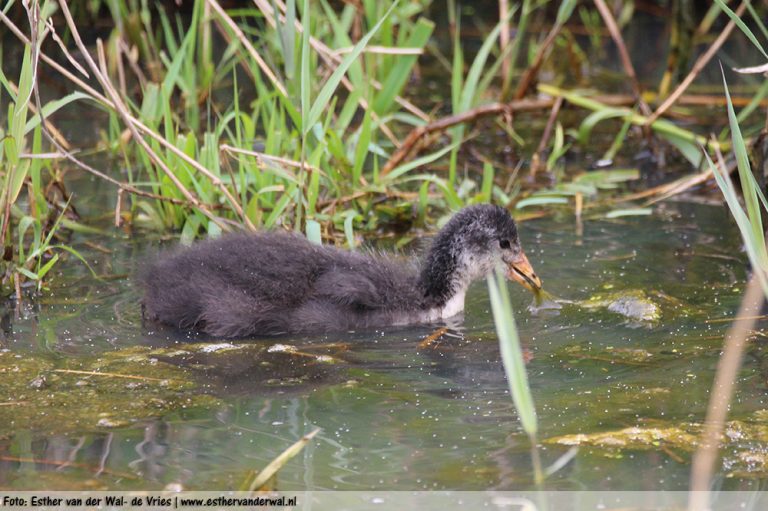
<point>349,231</point>
<point>511,352</point>
<point>79,256</point>
<point>742,26</point>
<point>305,78</point>
<point>590,121</point>
<point>470,89</point>
<point>487,185</point>
<point>424,160</point>
<point>756,256</point>
<point>457,68</point>
<point>287,33</point>
<point>564,11</point>
<point>361,150</point>
<point>742,162</point>
<point>402,67</point>
<point>324,96</point>
<point>52,106</point>
<point>451,197</point>
<point>756,17</point>
<point>341,40</point>
<point>314,233</point>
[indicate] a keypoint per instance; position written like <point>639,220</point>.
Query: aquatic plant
<point>514,365</point>
<point>29,222</point>
<point>749,220</point>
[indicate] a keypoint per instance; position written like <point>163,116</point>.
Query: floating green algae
<point>634,304</point>
<point>639,307</point>
<point>635,437</point>
<point>114,389</point>
<point>744,447</point>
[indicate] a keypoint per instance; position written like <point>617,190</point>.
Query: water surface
<point>392,414</point>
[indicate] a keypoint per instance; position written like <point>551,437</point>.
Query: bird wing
<point>347,288</point>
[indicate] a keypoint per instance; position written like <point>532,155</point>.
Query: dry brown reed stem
<point>704,459</point>
<point>506,64</point>
<point>64,150</point>
<point>702,61</point>
<point>626,62</point>
<point>275,465</point>
<point>261,157</point>
<point>248,46</point>
<point>61,144</point>
<point>731,320</point>
<point>410,143</point>
<point>680,186</point>
<point>141,126</point>
<point>48,129</point>
<point>101,75</point>
<point>529,76</point>
<point>536,159</point>
<point>110,375</point>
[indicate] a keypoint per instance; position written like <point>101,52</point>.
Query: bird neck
<point>440,280</point>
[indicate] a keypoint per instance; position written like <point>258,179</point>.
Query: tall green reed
<point>749,218</point>
<point>514,365</point>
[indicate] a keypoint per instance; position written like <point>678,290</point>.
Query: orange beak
<point>521,271</point>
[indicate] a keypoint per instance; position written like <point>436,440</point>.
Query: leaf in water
<point>575,187</point>
<point>540,201</point>
<point>256,480</point>
<point>597,177</point>
<point>616,213</point>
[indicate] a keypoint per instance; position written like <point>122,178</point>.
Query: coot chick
<point>276,282</point>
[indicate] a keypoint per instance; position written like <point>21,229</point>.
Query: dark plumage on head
<point>469,246</point>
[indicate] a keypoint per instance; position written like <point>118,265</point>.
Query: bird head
<point>485,236</point>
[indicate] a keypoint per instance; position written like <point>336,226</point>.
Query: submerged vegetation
<point>360,119</point>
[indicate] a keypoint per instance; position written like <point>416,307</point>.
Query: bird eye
<point>504,244</point>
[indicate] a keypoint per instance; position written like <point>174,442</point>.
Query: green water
<point>392,414</point>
